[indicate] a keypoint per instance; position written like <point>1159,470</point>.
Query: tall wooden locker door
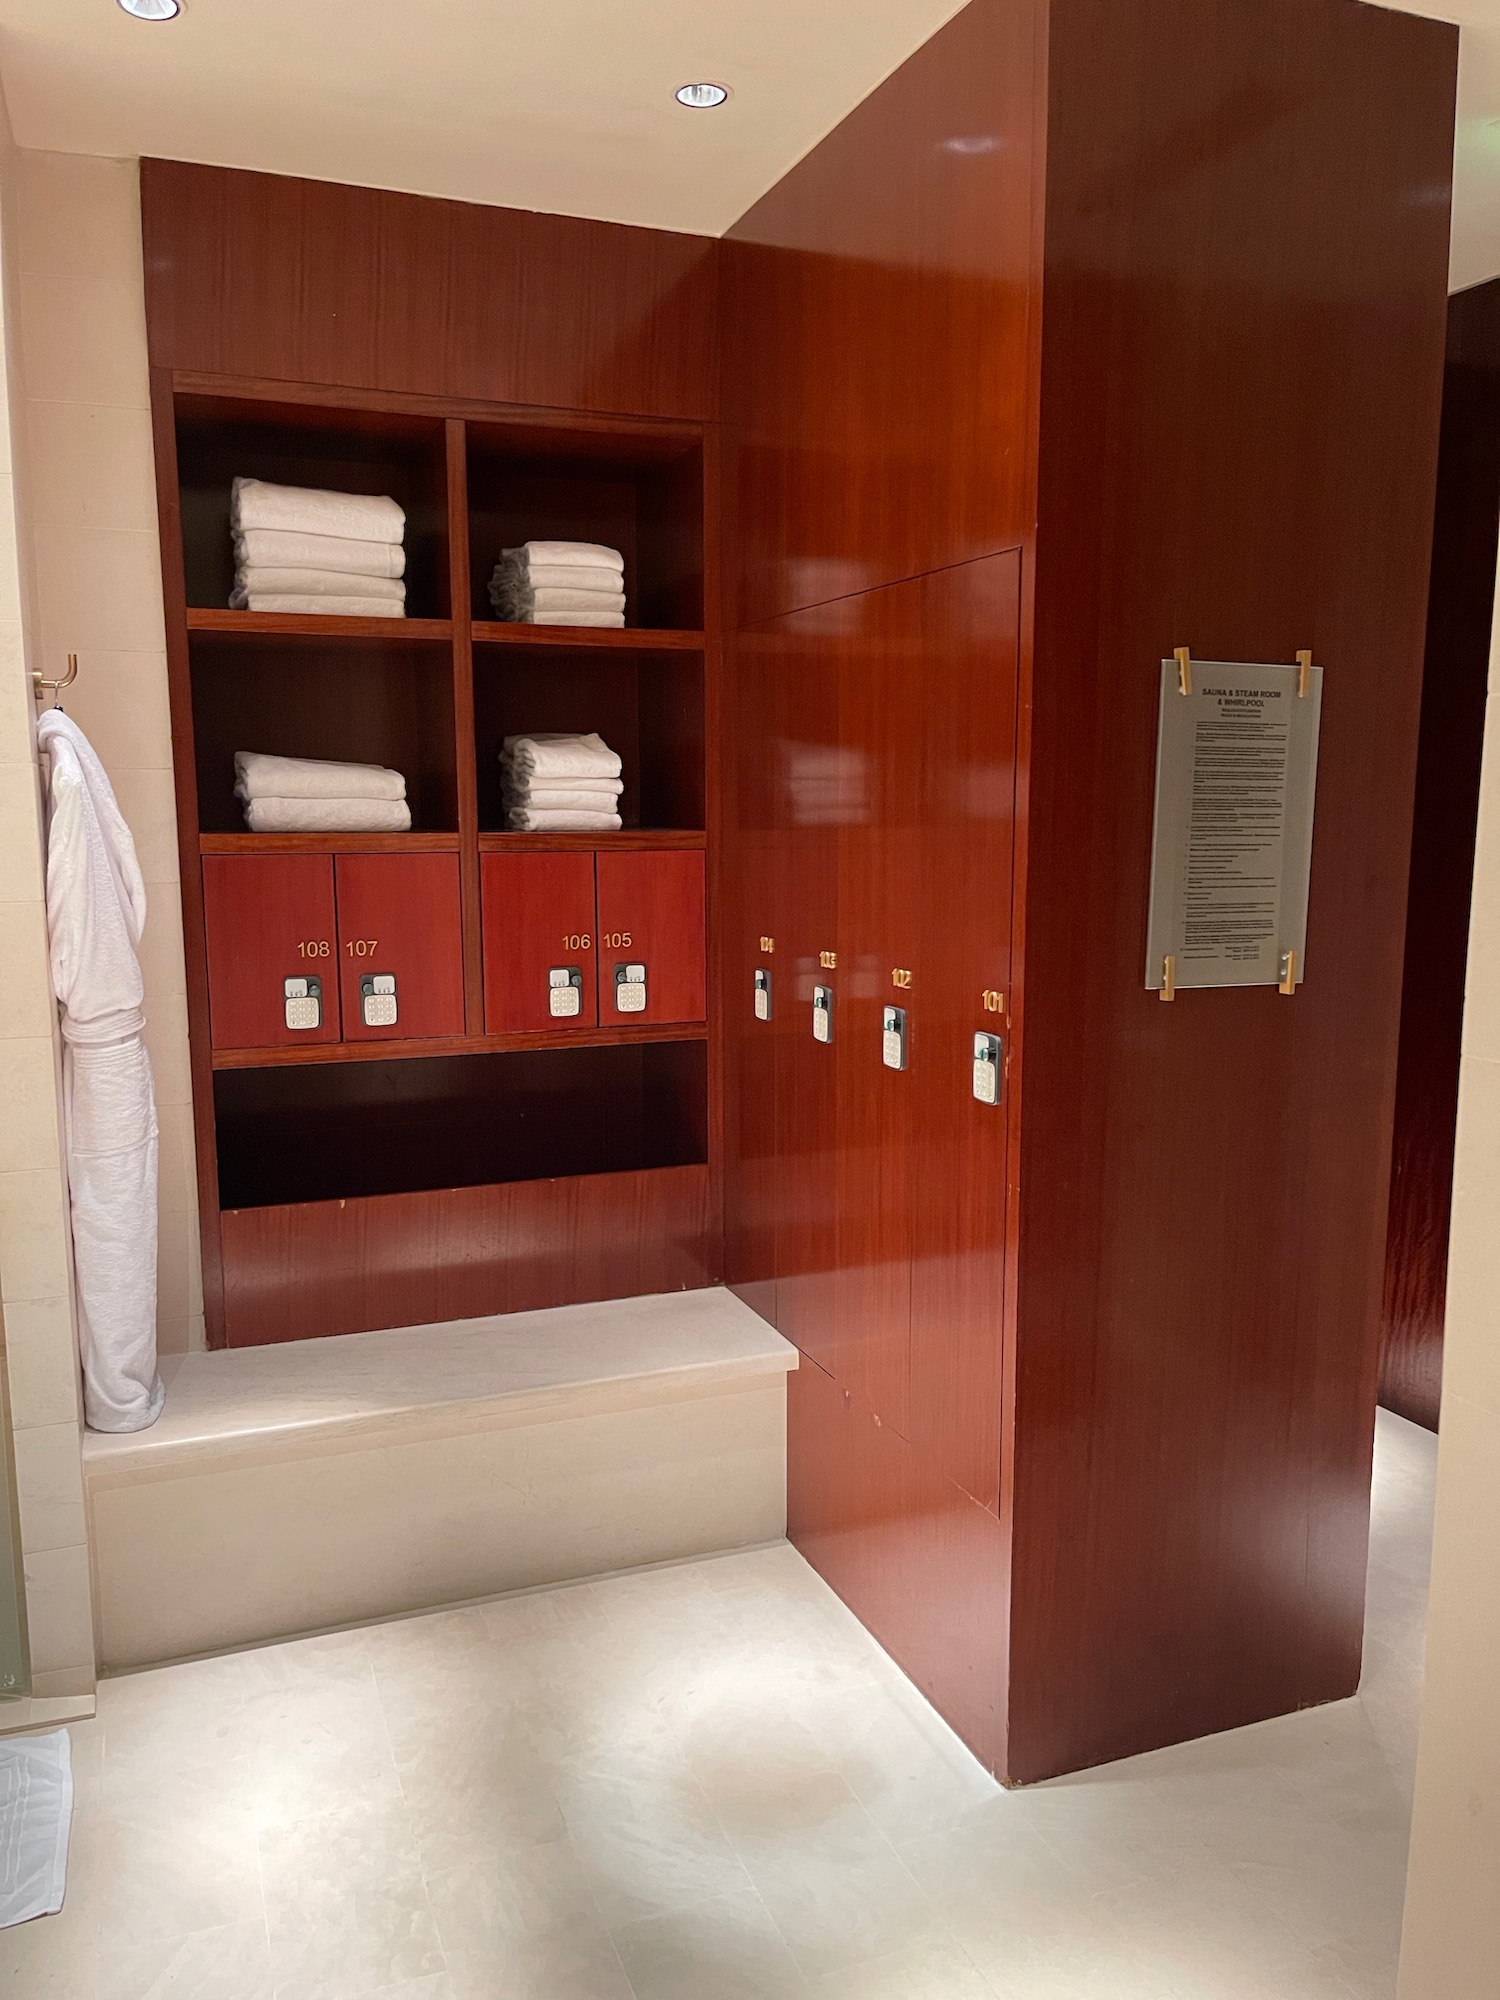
<point>886,1057</point>
<point>539,942</point>
<point>962,800</point>
<point>400,946</point>
<point>758,985</point>
<point>272,950</point>
<point>798,738</point>
<point>651,937</point>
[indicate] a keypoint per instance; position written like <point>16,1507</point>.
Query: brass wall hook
<point>38,682</point>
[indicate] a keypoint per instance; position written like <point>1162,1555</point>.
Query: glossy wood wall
<point>1460,612</point>
<point>1110,1488</point>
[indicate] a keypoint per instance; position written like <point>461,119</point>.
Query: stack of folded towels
<point>305,795</point>
<point>559,583</point>
<point>555,782</point>
<point>297,548</point>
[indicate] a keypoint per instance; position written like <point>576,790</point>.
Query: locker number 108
<point>313,948</point>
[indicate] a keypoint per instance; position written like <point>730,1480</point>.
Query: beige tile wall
<point>1451,1943</point>
<point>36,1322</point>
<point>91,497</point>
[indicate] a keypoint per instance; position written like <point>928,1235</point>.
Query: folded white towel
<point>527,819</point>
<point>328,815</point>
<point>311,510</point>
<point>281,548</point>
<point>567,555</point>
<point>559,576</point>
<point>532,601</point>
<point>306,603</point>
<point>562,798</point>
<point>537,791</point>
<point>261,582</point>
<point>259,775</point>
<point>597,620</point>
<point>549,755</point>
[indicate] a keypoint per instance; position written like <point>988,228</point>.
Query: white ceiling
<point>563,105</point>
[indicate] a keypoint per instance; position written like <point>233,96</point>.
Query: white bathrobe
<point>96,911</point>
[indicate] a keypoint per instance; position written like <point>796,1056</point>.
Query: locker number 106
<point>577,941</point>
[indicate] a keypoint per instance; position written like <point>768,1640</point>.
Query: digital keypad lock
<point>564,992</point>
<point>989,1053</point>
<point>893,1038</point>
<point>303,999</point>
<point>377,999</point>
<point>822,1013</point>
<point>630,989</point>
<point>762,994</point>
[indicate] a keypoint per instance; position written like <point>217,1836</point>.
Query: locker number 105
<point>617,940</point>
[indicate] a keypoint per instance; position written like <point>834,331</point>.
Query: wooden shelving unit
<point>427,1121</point>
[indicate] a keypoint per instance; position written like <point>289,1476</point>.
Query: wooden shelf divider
<point>587,638</point>
<point>300,625</point>
<point>328,843</point>
<point>305,1054</point>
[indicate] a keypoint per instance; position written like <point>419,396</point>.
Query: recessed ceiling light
<point>696,96</point>
<point>152,10</point>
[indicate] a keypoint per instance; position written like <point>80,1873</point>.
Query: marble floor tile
<point>706,1782</point>
<point>725,1949</point>
<point>346,1905</point>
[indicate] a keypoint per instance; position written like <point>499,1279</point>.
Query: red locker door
<point>651,915</point>
<point>538,915</point>
<point>401,964</point>
<point>268,920</point>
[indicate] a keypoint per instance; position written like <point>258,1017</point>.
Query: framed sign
<point>1231,850</point>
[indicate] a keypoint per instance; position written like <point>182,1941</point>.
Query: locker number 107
<point>362,947</point>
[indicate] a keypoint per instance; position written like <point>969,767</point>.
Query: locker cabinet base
<point>305,1269</point>
<point>289,1491</point>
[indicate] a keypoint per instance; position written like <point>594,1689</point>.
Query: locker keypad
<point>377,999</point>
<point>304,1002</point>
<point>762,994</point>
<point>822,1013</point>
<point>893,1038</point>
<point>564,992</point>
<point>630,989</point>
<point>987,1056</point>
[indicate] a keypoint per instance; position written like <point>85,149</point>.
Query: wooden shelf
<point>457,1045</point>
<point>588,638</point>
<point>689,839</point>
<point>328,843</point>
<point>285,625</point>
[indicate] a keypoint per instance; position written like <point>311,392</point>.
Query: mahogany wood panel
<point>622,639</point>
<point>651,911</point>
<point>690,840</point>
<point>328,843</point>
<point>1460,609</point>
<point>399,914</point>
<point>268,918</point>
<point>924,1564</point>
<point>877,325</point>
<point>457,1045</point>
<point>538,913</point>
<point>1246,252</point>
<point>296,625</point>
<point>308,281</point>
<point>296,1272</point>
